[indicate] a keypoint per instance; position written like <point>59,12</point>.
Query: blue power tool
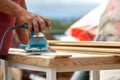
<point>36,44</point>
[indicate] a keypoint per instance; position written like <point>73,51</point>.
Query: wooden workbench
<point>61,62</point>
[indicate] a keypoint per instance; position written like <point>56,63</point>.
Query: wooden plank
<point>57,56</point>
<point>87,49</point>
<point>88,52</point>
<point>84,43</point>
<point>75,59</point>
<point>73,63</point>
<point>90,62</point>
<point>52,55</point>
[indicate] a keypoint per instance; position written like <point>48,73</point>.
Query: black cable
<point>10,28</point>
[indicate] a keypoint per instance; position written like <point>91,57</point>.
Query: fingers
<point>30,27</point>
<point>42,23</point>
<point>33,23</point>
<point>35,26</point>
<point>47,21</point>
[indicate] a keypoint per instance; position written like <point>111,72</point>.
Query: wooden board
<point>84,43</point>
<point>86,46</point>
<point>87,49</point>
<point>53,55</point>
<point>73,62</point>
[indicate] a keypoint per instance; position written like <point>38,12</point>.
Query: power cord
<point>10,28</point>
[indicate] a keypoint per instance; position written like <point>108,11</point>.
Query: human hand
<point>32,20</point>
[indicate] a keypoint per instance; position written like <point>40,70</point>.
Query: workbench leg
<point>1,64</point>
<point>7,71</point>
<point>94,75</point>
<point>51,74</point>
<point>5,65</point>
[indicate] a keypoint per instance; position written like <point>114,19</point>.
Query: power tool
<point>36,44</point>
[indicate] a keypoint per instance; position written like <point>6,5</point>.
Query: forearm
<point>11,8</point>
<point>22,33</point>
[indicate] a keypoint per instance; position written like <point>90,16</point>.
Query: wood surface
<point>88,61</point>
<point>73,56</point>
<point>51,54</point>
<point>84,43</point>
<point>86,49</point>
<point>86,46</point>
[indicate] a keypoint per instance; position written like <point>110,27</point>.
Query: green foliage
<point>59,26</point>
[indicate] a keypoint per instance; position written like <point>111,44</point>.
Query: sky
<point>62,8</point>
<point>63,1</point>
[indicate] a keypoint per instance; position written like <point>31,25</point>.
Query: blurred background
<point>62,13</point>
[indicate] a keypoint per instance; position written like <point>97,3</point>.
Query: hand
<point>32,20</point>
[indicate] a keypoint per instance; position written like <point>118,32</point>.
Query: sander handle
<point>25,26</point>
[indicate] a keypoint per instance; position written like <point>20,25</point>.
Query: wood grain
<point>86,49</point>
<point>88,61</point>
<point>84,43</point>
<point>53,55</point>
